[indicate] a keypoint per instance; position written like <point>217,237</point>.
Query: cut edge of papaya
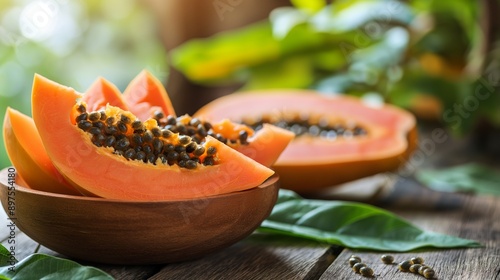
<point>101,93</point>
<point>264,146</point>
<point>145,94</point>
<point>26,152</point>
<point>267,144</point>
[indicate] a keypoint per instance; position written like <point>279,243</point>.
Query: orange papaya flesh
<point>379,139</point>
<point>32,160</point>
<point>103,172</point>
<point>102,93</point>
<point>27,154</point>
<point>264,147</point>
<point>231,130</point>
<point>145,96</point>
<point>267,144</point>
<point>21,182</point>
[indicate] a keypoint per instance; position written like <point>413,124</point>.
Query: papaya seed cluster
<point>308,125</point>
<point>359,267</point>
<point>132,140</point>
<point>195,128</point>
<point>414,265</point>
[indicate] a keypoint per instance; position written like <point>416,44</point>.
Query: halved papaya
<point>27,154</point>
<point>83,152</point>
<point>145,96</point>
<point>338,139</point>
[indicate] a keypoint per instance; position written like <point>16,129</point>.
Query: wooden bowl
<point>131,232</point>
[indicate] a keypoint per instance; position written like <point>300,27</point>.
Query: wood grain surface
<point>272,257</point>
<point>472,217</point>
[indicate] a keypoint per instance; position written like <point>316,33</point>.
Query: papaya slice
<point>108,170</point>
<point>20,182</point>
<point>26,152</point>
<point>101,93</point>
<point>31,159</point>
<point>265,146</point>
<point>145,96</point>
<point>338,139</point>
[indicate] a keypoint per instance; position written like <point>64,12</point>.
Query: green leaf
<point>470,177</point>
<point>344,17</point>
<point>5,256</point>
<point>294,72</point>
<point>465,11</point>
<point>389,51</point>
<point>485,92</point>
<point>289,33</point>
<point>41,266</point>
<point>310,6</point>
<point>221,55</point>
<point>415,81</point>
<point>284,19</point>
<point>335,84</point>
<point>369,65</point>
<point>353,225</point>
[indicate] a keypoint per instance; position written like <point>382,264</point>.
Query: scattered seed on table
<point>358,266</point>
<point>417,260</point>
<point>414,267</point>
<point>356,257</point>
<point>353,261</point>
<point>429,273</point>
<point>366,271</point>
<point>405,266</point>
<point>387,259</point>
<point>421,269</point>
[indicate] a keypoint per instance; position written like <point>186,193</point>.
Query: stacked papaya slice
<point>132,146</point>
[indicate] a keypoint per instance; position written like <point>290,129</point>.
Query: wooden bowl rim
<point>271,181</point>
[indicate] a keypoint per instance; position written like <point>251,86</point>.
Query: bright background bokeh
<point>430,57</point>
<point>73,43</point>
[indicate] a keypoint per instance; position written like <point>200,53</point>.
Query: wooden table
<point>262,256</point>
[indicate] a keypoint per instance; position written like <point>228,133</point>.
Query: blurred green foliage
<point>408,53</point>
<point>395,50</point>
<point>72,43</point>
